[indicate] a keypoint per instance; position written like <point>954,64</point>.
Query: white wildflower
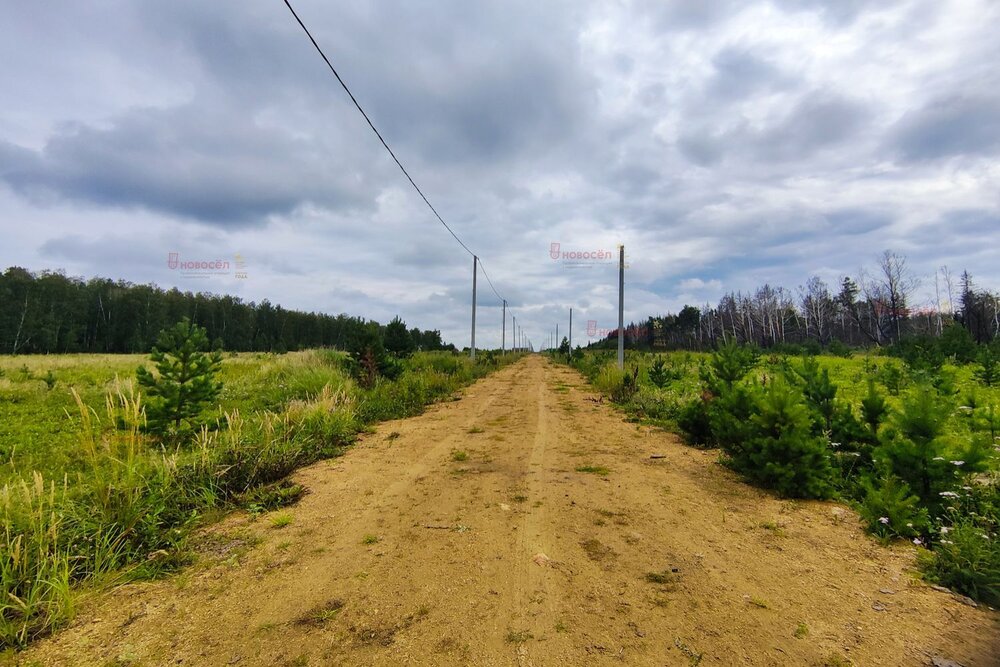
<point>883,519</point>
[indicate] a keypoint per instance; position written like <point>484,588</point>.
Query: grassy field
<point>88,498</point>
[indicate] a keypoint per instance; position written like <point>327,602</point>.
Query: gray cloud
<point>948,127</point>
<point>188,161</point>
<point>714,139</point>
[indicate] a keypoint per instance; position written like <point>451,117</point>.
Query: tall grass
<point>127,511</point>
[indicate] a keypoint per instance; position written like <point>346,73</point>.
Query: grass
<point>518,636</point>
<point>759,602</point>
<point>370,539</point>
<point>801,631</point>
<point>459,455</point>
<point>88,498</point>
<point>594,470</point>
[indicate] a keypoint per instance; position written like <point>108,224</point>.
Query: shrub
<point>783,454</point>
<point>730,417</point>
<point>693,420</point>
<point>819,391</point>
<point>890,509</point>
<point>918,450</point>
<point>662,375</point>
<point>988,372</point>
<point>731,363</point>
<point>967,560</point>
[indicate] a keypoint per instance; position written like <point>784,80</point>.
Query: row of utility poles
<point>555,341</point>
<point>521,342</point>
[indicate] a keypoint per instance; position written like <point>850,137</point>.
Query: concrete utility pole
<point>557,336</point>
<point>503,329</point>
<point>475,266</point>
<point>570,332</point>
<point>621,307</point>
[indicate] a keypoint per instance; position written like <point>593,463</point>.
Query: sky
<point>725,143</point>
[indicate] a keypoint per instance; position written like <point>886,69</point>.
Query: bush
<point>693,420</point>
<point>988,372</point>
<point>731,363</point>
<point>662,375</point>
<point>783,454</point>
<point>917,449</point>
<point>967,560</point>
<point>890,509</point>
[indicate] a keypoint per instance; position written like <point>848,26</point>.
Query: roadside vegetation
<point>908,435</point>
<point>106,470</point>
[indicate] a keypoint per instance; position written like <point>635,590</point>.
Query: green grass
<point>594,470</point>
<point>86,497</point>
<point>369,539</point>
<point>459,455</point>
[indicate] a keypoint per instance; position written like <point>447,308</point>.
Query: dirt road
<point>527,524</point>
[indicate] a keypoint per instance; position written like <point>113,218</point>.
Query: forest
<point>875,308</point>
<point>50,313</point>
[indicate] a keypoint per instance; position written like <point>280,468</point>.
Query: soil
<point>529,524</point>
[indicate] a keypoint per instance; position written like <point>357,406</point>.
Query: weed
<point>759,602</point>
<point>370,539</point>
<point>475,429</point>
<point>459,455</point>
<point>801,631</point>
<point>594,470</point>
<point>282,520</point>
<point>519,636</point>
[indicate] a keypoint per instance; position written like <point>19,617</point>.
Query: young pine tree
<point>184,384</point>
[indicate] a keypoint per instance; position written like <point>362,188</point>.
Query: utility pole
<point>513,333</point>
<point>557,341</point>
<point>621,307</point>
<point>475,266</point>
<point>503,329</point>
<point>570,332</point>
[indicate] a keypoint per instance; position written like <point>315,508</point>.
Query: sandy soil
<point>402,554</point>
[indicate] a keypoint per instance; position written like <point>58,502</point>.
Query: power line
<point>375,129</point>
<point>389,149</point>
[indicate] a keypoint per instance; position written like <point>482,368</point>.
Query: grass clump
<point>459,455</point>
<point>370,539</point>
<point>594,470</point>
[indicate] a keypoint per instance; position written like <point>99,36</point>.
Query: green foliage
<point>890,509</point>
<point>782,453</point>
<point>127,511</point>
<point>917,448</point>
<point>661,375</point>
<point>957,344</point>
<point>988,371</point>
<point>819,391</point>
<point>731,363</point>
<point>398,340</point>
<point>695,423</point>
<point>185,381</point>
<point>730,417</point>
<point>967,560</point>
<point>874,408</point>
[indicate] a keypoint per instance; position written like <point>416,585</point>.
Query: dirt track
<point>455,576</point>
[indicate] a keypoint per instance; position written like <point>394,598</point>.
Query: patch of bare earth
<point>403,554</point>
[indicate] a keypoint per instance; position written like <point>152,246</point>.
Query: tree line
<point>874,308</point>
<point>50,313</point>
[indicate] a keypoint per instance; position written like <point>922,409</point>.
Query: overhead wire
<point>385,144</point>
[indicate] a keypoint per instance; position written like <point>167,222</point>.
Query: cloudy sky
<point>726,143</point>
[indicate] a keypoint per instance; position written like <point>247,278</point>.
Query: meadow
<point>911,443</point>
<point>88,498</point>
